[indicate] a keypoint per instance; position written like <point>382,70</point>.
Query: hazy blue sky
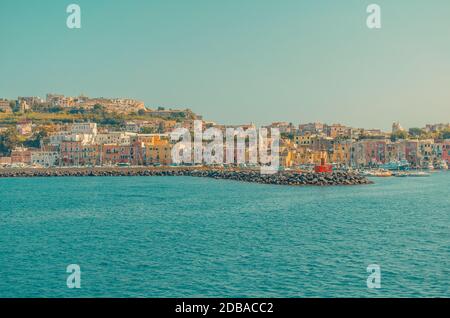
<point>238,61</point>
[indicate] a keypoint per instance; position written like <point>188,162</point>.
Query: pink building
<point>24,127</point>
<point>446,151</point>
<point>375,151</point>
<point>21,155</point>
<point>412,153</point>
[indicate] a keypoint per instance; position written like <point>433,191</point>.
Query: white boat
<point>377,173</point>
<point>442,165</point>
<point>412,174</point>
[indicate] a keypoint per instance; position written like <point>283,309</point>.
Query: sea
<point>200,237</point>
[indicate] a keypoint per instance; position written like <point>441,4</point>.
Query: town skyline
<point>237,61</point>
<point>81,130</point>
<point>387,128</point>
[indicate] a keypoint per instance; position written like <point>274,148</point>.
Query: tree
<point>77,111</point>
<point>141,112</point>
<point>289,136</point>
<point>112,119</point>
<point>445,134</point>
<point>416,132</point>
<point>55,109</point>
<point>35,141</point>
<point>9,140</point>
<point>148,130</point>
<point>98,109</point>
<point>399,135</point>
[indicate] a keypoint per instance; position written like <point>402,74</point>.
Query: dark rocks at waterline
<point>280,178</point>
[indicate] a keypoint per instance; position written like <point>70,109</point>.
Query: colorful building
<point>341,152</point>
<point>21,155</point>
<point>446,151</point>
<point>45,158</point>
<point>77,153</point>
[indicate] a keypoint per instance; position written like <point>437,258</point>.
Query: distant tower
<point>396,127</point>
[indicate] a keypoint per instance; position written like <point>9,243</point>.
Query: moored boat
<point>442,165</point>
<point>412,174</point>
<point>428,166</point>
<point>377,173</point>
<point>401,165</point>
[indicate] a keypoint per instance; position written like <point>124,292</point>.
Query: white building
<point>120,138</point>
<point>45,158</point>
<point>57,139</point>
<point>84,128</point>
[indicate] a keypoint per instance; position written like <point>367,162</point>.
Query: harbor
<point>290,178</point>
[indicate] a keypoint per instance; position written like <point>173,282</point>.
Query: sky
<point>238,61</point>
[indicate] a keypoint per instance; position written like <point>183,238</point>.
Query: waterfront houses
<point>82,145</point>
<point>143,138</point>
<point>89,148</point>
<point>45,158</point>
<point>446,151</point>
<point>21,155</point>
<point>5,161</point>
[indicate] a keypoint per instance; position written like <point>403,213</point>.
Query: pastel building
<point>121,138</point>
<point>77,153</point>
<point>304,139</point>
<point>24,127</point>
<point>127,154</point>
<point>21,155</point>
<point>158,153</point>
<point>368,152</point>
<point>5,106</point>
<point>338,130</point>
<point>84,129</point>
<point>395,151</point>
<point>307,156</point>
<point>412,152</point>
<point>341,152</point>
<point>5,160</point>
<point>446,151</point>
<point>45,158</point>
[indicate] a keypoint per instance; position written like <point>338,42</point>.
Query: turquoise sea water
<point>189,237</point>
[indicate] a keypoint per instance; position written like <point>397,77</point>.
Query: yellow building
<point>341,152</point>
<point>303,140</point>
<point>305,155</point>
<point>287,157</point>
<point>158,150</point>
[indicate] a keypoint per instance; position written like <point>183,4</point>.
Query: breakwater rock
<point>293,178</point>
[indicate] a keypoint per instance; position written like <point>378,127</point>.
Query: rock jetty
<point>293,178</point>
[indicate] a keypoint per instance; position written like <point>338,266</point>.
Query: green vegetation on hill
<point>11,139</point>
<point>97,114</point>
